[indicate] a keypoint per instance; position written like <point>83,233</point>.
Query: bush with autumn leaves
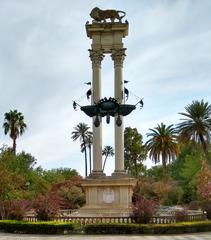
<point>67,194</point>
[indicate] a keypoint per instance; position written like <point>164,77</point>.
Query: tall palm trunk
<point>164,168</point>
<point>205,149</point>
<point>14,145</point>
<point>85,155</point>
<point>90,159</point>
<point>105,161</point>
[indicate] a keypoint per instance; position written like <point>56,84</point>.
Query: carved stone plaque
<point>108,195</point>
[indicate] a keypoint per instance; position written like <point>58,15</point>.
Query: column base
<point>97,174</point>
<point>120,174</point>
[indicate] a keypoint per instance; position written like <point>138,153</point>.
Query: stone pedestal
<point>107,197</point>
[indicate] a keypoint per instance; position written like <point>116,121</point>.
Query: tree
<point>14,125</point>
<point>108,151</point>
<point>197,125</point>
<point>135,152</point>
<point>162,145</point>
<point>81,132</point>
<point>89,141</point>
<point>27,180</point>
<point>56,175</point>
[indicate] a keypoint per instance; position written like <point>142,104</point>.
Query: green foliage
<point>196,125</point>
<point>185,168</point>
<point>82,134</point>
<point>12,226</point>
<point>14,125</point>
<point>38,227</point>
<point>176,228</point>
<point>165,192</point>
<point>23,180</point>
<point>162,145</point>
<point>135,152</point>
<point>58,175</point>
<point>73,197</point>
<point>107,151</point>
<point>155,172</point>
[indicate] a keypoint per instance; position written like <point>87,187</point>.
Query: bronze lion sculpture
<point>101,15</point>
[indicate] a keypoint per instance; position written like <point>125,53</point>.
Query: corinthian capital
<point>96,57</point>
<point>118,56</point>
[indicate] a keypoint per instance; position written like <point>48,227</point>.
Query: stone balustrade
<point>91,220</point>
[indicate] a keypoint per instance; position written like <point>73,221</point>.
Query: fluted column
<point>96,57</point>
<point>118,56</point>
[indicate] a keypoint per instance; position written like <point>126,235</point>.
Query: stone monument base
<point>107,197</point>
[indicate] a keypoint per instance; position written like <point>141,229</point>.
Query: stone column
<point>118,56</point>
<point>96,57</point>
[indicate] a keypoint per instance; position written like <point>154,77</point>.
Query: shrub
<point>38,227</point>
<point>176,228</point>
<point>144,188</point>
<point>47,207</point>
<point>181,215</point>
<point>203,182</point>
<point>72,197</point>
<point>206,206</point>
<point>167,193</point>
<point>16,209</point>
<point>143,210</point>
<point>194,205</point>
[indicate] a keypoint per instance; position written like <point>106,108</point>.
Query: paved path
<point>196,236</point>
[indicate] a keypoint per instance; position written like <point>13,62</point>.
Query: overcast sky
<point>44,63</point>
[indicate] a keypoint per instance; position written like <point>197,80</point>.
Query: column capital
<point>118,56</point>
<point>96,57</point>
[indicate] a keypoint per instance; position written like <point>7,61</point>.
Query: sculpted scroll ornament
<point>118,56</point>
<point>96,57</point>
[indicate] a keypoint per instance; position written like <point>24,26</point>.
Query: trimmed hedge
<point>176,228</point>
<point>12,226</point>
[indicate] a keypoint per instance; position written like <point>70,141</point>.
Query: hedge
<point>12,226</point>
<point>176,228</point>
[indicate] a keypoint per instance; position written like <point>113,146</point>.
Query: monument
<point>107,195</point>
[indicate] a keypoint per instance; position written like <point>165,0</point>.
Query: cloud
<point>44,63</point>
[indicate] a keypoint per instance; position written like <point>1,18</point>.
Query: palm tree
<point>89,141</point>
<point>14,125</point>
<point>162,145</point>
<point>197,125</point>
<point>81,132</point>
<point>108,151</point>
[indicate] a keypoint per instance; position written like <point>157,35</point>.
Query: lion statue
<point>101,15</point>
